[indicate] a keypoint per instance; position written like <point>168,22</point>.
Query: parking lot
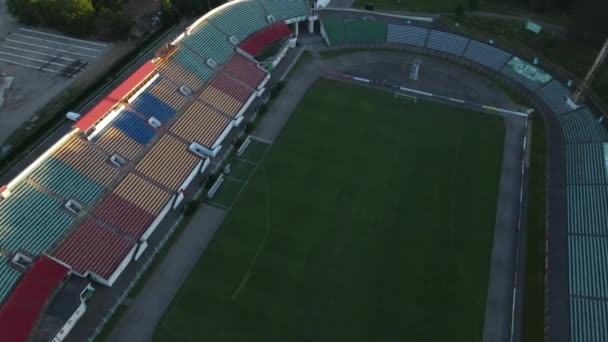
<point>49,52</point>
<point>44,65</point>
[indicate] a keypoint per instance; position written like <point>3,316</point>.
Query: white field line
<point>62,37</point>
<point>33,59</point>
<point>35,52</point>
<point>217,204</point>
<point>48,48</point>
<point>234,179</point>
<point>29,66</point>
<point>262,140</point>
<point>54,42</point>
<point>246,161</point>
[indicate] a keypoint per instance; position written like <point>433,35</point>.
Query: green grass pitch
<point>369,219</point>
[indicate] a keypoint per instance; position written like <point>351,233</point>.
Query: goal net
<point>401,96</point>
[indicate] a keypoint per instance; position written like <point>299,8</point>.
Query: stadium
<point>380,194</point>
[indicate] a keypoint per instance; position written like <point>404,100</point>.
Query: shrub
<point>459,11</point>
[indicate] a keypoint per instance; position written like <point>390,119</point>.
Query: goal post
<point>406,97</point>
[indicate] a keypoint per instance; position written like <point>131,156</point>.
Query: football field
<point>367,219</point>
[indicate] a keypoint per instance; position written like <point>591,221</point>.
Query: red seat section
<point>123,215</point>
<point>245,70</point>
<point>259,40</point>
<point>94,248</point>
<point>28,299</point>
<point>232,87</point>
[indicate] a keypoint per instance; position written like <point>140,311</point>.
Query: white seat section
<point>486,55</point>
<point>408,35</point>
<point>447,42</point>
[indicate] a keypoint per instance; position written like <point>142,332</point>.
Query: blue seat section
<point>66,182</point>
<point>486,55</point>
<point>588,320</point>
<point>134,126</point>
<point>447,42</point>
<point>207,41</point>
<point>31,220</point>
<point>554,94</point>
<point>588,266</point>
<point>9,277</point>
<point>148,105</point>
<point>240,18</point>
<point>581,126</point>
<point>585,164</point>
<point>193,63</point>
<point>587,209</point>
<point>409,35</point>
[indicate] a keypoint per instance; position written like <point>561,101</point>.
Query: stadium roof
<point>25,304</point>
<point>97,112</point>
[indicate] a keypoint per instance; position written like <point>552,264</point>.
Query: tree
<point>120,25</point>
<point>71,16</point>
<point>588,24</point>
<point>473,4</point>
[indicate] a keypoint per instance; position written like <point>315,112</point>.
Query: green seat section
<point>31,220</point>
<point>581,126</point>
<point>286,9</point>
<point>586,164</point>
<point>364,31</point>
<point>207,41</point>
<point>193,63</point>
<point>588,320</point>
<point>8,277</point>
<point>240,18</point>
<point>68,183</point>
<point>334,27</point>
<point>588,269</point>
<point>587,209</point>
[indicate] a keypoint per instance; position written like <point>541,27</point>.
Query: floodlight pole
<point>577,97</point>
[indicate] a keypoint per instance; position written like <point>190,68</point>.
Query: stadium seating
<point>9,277</point>
<point>588,320</point>
<point>581,126</point>
<point>62,180</point>
<point>232,87</point>
<point>113,140</point>
<point>335,30</point>
<point>514,75</point>
<point>447,42</point>
<point>209,42</point>
<point>132,206</point>
<point>249,15</point>
<point>364,31</point>
<point>246,71</point>
<point>95,248</point>
<point>486,55</point>
<point>588,266</point>
<point>149,106</point>
<point>221,101</point>
<point>169,162</point>
<point>31,220</point>
<point>554,94</point>
<point>200,124</point>
<point>586,164</point>
<point>286,9</point>
<point>193,63</point>
<point>259,40</point>
<point>408,35</point>
<point>168,93</point>
<point>79,154</point>
<point>587,209</point>
<point>180,76</point>
<point>134,126</point>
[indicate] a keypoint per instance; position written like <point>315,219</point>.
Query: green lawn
<point>369,219</point>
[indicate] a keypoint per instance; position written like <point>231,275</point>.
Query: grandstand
<point>88,205</point>
<point>102,189</point>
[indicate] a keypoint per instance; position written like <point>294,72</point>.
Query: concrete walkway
<point>144,313</point>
